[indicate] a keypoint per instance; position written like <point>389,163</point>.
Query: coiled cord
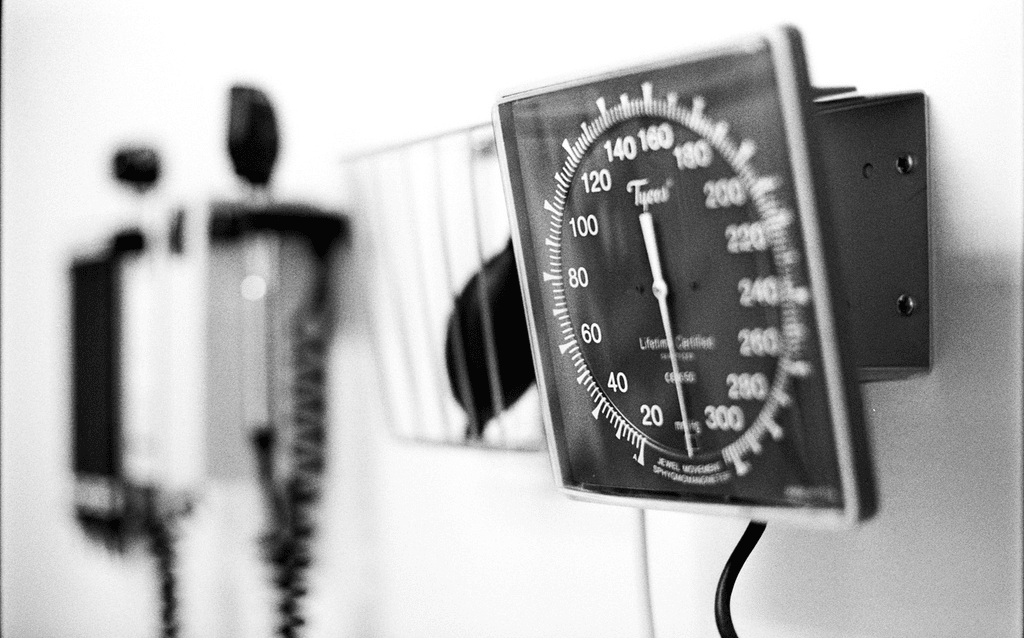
<point>305,485</point>
<point>289,543</point>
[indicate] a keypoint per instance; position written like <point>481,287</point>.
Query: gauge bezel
<point>843,399</point>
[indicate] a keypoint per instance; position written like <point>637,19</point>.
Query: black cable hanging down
<point>163,544</point>
<point>723,595</point>
<point>289,543</point>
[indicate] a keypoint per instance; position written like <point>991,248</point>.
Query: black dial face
<point>676,261</point>
<point>669,274</point>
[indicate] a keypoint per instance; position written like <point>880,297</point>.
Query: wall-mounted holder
<point>449,331</point>
<point>268,264</point>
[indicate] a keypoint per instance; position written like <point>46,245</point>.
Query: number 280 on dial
<point>679,288</point>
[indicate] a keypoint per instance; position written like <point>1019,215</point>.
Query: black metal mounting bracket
<point>874,151</point>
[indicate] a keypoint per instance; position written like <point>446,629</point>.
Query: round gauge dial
<point>676,260</point>
<point>677,279</point>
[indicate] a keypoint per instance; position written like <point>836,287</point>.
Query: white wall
<point>432,542</point>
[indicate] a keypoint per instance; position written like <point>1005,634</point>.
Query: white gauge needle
<point>660,290</point>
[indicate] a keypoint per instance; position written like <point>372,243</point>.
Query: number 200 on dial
<point>676,277</point>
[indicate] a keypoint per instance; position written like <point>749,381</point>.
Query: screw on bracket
<point>906,304</point>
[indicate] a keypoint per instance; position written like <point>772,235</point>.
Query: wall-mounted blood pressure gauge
<point>680,287</point>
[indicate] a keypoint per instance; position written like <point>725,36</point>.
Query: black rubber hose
<point>723,595</point>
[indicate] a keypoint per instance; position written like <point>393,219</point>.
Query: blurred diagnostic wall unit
<point>270,332</point>
<point>270,328</point>
<point>136,424</point>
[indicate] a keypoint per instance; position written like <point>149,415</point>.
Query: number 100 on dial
<point>679,288</point>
